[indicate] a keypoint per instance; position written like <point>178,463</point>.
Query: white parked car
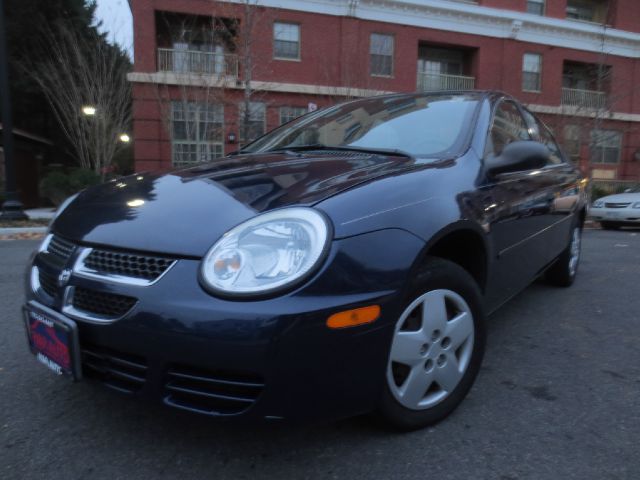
<point>615,211</point>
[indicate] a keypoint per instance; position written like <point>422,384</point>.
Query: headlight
<point>636,205</point>
<point>598,204</point>
<point>267,253</point>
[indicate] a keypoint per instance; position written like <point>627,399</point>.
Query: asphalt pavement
<point>558,397</point>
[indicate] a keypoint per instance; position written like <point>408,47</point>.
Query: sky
<point>116,21</point>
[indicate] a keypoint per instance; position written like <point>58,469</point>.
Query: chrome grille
<point>103,304</point>
<point>120,371</point>
<point>48,283</point>
<point>617,205</point>
<point>211,392</point>
<point>60,248</point>
<point>127,264</point>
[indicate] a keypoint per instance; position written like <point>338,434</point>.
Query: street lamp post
<point>12,206</point>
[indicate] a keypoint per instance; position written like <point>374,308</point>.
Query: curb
<point>18,230</point>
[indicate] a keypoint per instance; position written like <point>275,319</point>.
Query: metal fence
<point>193,61</point>
<point>601,188</point>
<point>428,82</point>
<point>589,99</point>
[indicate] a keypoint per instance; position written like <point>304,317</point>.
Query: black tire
<point>561,274</point>
<point>435,275</point>
<point>610,225</point>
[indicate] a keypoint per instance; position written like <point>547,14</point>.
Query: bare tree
<point>245,40</point>
<point>206,64</point>
<point>85,81</point>
<point>358,77</point>
<point>583,121</point>
<point>195,72</point>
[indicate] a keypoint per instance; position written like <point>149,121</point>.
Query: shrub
<point>598,192</point>
<point>601,189</point>
<point>58,185</point>
<point>81,178</point>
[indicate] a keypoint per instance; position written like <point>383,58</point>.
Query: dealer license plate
<point>53,339</point>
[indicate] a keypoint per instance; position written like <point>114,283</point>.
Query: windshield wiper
<point>320,146</point>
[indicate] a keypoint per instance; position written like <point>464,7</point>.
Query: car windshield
<point>418,125</point>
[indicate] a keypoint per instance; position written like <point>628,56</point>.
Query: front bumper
<point>267,359</point>
<point>629,216</point>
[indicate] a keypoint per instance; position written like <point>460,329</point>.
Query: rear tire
<point>609,226</point>
<point>437,347</point>
<point>563,272</point>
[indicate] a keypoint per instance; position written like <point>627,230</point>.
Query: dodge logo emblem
<point>64,277</point>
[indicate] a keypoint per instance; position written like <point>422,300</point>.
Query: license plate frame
<point>53,339</point>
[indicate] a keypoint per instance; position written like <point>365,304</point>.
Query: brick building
<point>208,73</point>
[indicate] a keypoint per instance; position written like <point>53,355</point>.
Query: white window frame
<point>254,107</point>
<point>542,3</point>
<point>282,26</point>
<point>575,10</point>
<point>289,113</point>
<point>196,115</point>
<point>613,136</point>
<point>572,135</point>
<point>539,72</point>
<point>372,53</point>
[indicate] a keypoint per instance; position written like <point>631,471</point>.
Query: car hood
<point>622,198</point>
<point>184,212</point>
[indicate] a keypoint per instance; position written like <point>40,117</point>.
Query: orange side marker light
<point>355,317</point>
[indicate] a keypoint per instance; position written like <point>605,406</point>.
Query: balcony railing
<point>428,82</point>
<point>588,99</point>
<point>193,61</point>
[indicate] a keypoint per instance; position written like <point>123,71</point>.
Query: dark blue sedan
<point>343,263</point>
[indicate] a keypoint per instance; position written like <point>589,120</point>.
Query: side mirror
<point>519,156</point>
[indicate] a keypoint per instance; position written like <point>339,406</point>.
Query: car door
<point>517,206</point>
<point>560,180</point>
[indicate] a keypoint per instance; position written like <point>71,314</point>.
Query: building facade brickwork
<point>574,62</point>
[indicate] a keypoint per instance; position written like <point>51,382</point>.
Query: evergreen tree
<point>29,26</point>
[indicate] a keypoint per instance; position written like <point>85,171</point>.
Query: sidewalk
<point>16,233</point>
<point>40,213</point>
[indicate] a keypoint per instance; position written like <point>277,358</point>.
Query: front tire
<point>437,347</point>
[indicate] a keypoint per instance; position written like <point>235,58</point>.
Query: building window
<point>606,146</point>
<point>286,41</point>
<point>288,114</point>
<point>252,125</point>
<point>588,10</point>
<point>196,132</point>
<point>535,6</point>
<point>572,140</point>
<point>531,72</point>
<point>381,55</point>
